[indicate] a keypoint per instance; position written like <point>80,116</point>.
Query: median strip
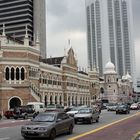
<point>100,128</point>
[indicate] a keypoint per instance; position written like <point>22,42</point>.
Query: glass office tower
<point>110,35</point>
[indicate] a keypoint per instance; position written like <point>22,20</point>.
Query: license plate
<point>30,132</point>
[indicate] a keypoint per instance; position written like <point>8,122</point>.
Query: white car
<point>135,106</point>
<point>73,111</point>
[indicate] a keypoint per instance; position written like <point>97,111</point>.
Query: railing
<point>35,92</point>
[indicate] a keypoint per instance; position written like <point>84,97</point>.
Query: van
<point>36,106</point>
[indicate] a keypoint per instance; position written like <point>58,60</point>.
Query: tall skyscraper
<point>16,14</point>
<point>110,35</point>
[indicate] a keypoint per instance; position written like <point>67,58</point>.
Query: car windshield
<point>75,109</point>
<point>30,106</point>
<point>83,111</point>
<point>121,105</point>
<point>44,118</point>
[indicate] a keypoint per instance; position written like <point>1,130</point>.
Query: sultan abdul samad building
<point>26,77</point>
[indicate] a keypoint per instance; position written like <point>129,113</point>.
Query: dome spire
<point>37,38</point>
<point>26,38</point>
<point>26,35</point>
<point>3,33</point>
<point>37,43</point>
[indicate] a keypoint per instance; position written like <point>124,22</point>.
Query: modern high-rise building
<point>16,14</point>
<point>110,35</point>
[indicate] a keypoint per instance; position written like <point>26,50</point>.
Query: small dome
<point>109,65</point>
<point>128,76</point>
<point>110,68</point>
<point>124,77</point>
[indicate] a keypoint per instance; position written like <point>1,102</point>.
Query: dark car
<point>123,108</point>
<point>9,113</point>
<point>24,112</point>
<point>48,125</point>
<point>20,112</point>
<point>68,108</point>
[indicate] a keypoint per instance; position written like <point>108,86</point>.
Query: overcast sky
<point>66,20</point>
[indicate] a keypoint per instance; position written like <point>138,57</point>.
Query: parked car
<point>135,106</point>
<point>36,106</point>
<point>21,112</point>
<point>9,113</point>
<point>54,107</point>
<point>123,108</point>
<point>111,107</point>
<point>87,115</point>
<point>48,125</point>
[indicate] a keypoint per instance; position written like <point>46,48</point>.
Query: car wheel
<point>91,120</point>
<point>70,130</point>
<point>75,122</point>
<point>97,120</point>
<point>15,118</point>
<point>52,135</point>
<point>26,116</point>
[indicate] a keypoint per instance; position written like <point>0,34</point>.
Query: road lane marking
<point>102,127</point>
<point>137,135</point>
<point>6,138</point>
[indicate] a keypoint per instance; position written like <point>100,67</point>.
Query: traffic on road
<point>55,124</point>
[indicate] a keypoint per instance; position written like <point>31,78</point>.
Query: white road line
<point>6,138</point>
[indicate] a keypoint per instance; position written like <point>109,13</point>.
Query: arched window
<point>51,100</point>
<point>46,101</point>
<point>72,100</point>
<point>17,73</point>
<point>76,100</point>
<point>55,99</point>
<point>22,74</point>
<point>12,74</point>
<point>60,99</point>
<point>69,100</point>
<point>7,74</point>
<point>80,100</point>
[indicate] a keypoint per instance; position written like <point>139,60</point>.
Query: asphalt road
<point>10,129</point>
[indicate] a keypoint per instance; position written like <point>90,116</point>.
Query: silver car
<point>87,115</point>
<point>48,125</point>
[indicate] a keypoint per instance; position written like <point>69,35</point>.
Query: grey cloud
<point>71,17</point>
<point>57,8</point>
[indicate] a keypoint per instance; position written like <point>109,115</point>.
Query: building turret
<point>3,36</point>
<point>111,86</point>
<point>37,43</point>
<point>26,38</point>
